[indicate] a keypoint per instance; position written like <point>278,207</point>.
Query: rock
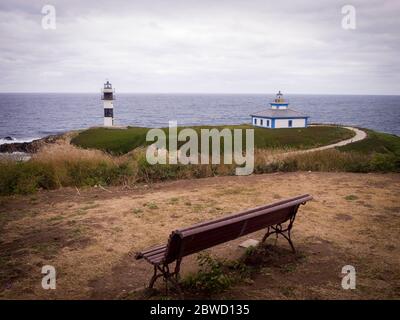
<point>249,243</point>
<point>8,138</point>
<point>28,147</point>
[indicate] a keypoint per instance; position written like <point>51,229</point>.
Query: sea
<point>29,116</point>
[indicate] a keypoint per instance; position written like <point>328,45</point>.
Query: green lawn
<point>120,141</point>
<point>376,142</point>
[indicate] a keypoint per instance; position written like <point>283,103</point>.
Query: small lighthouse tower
<point>108,98</point>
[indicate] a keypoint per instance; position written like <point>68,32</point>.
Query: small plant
<point>250,251</point>
<point>90,206</point>
<point>137,210</point>
<point>173,200</point>
<point>197,208</point>
<point>288,268</point>
<point>152,206</point>
<point>288,291</point>
<point>55,218</point>
<point>80,212</point>
<point>212,276</point>
<point>351,197</point>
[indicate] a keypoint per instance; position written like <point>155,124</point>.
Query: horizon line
<point>199,93</point>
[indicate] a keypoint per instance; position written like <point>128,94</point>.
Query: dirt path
<point>90,237</point>
<point>359,135</point>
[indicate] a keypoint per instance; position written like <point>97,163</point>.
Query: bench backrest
<point>204,235</point>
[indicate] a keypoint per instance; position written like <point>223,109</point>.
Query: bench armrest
<point>138,255</point>
<point>149,251</point>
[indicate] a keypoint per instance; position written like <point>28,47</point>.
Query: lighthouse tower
<point>279,102</point>
<point>108,98</point>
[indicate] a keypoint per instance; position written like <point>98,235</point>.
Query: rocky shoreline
<point>28,147</point>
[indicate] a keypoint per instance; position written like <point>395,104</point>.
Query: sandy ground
<point>89,236</point>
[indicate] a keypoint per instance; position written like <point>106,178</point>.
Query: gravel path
<point>360,135</point>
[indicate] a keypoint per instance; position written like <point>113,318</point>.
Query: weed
<point>137,210</point>
<point>211,278</point>
<point>152,206</point>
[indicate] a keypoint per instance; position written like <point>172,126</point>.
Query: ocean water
<point>27,116</point>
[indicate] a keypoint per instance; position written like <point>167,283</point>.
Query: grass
<point>351,197</point>
<point>376,142</point>
<point>152,206</point>
<point>121,141</point>
<point>379,152</point>
<point>62,165</point>
<point>137,210</point>
<point>115,141</point>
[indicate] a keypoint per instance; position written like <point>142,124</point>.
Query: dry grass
<point>88,236</point>
<point>59,153</point>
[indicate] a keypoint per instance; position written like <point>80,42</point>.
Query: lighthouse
<point>279,115</point>
<point>108,98</point>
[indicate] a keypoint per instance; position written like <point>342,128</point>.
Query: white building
<point>108,98</point>
<point>279,116</point>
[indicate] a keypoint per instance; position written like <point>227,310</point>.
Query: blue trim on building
<point>279,104</point>
<point>272,121</point>
<point>302,117</point>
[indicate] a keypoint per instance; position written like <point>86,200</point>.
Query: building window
<point>290,123</point>
<point>267,123</point>
<point>255,120</point>
<point>261,122</point>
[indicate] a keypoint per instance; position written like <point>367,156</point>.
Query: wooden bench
<point>198,237</point>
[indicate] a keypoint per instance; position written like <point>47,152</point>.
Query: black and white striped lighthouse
<point>108,98</point>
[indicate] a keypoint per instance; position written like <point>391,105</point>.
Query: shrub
<point>25,178</point>
<point>211,278</point>
<point>385,162</point>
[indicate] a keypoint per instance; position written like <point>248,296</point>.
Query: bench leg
<point>288,238</point>
<point>278,231</point>
<point>267,234</point>
<point>163,271</point>
<point>154,277</point>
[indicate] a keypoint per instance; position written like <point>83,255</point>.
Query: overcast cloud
<point>201,46</point>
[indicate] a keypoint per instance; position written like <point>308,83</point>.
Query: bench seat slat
<point>152,251</point>
<point>155,259</point>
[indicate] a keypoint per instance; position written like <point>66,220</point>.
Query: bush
<point>211,278</point>
<point>25,178</point>
<point>385,163</point>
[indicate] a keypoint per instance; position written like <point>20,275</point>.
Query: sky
<point>218,46</point>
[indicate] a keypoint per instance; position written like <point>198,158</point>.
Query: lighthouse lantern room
<point>108,97</point>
